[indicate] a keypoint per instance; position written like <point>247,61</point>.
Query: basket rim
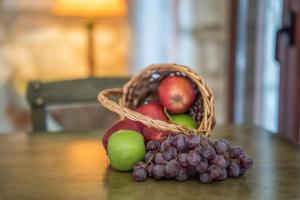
<point>208,103</point>
<point>205,125</point>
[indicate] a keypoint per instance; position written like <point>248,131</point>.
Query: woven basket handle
<point>104,99</point>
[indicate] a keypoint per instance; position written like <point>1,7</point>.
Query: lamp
<point>90,9</point>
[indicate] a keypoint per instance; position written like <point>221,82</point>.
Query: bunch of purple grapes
<point>184,156</point>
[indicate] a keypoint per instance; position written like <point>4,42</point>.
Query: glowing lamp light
<point>90,8</point>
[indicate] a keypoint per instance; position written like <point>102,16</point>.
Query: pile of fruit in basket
<point>152,152</point>
<point>176,96</point>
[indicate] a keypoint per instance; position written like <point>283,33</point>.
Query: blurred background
<point>230,43</point>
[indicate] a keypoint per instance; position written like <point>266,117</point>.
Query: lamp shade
<point>90,8</point>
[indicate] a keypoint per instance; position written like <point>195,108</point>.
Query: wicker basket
<point>144,86</point>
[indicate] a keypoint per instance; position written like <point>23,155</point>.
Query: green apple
<point>125,148</point>
<point>184,120</point>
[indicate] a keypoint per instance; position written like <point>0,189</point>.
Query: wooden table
<point>75,166</point>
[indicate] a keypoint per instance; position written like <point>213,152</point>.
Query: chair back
<point>40,95</point>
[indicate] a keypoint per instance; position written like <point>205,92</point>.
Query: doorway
<point>264,84</point>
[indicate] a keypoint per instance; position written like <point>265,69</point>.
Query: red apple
<point>124,124</point>
<point>154,134</point>
<point>176,94</point>
<point>153,110</point>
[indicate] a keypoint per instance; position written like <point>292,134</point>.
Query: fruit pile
<point>170,155</point>
<point>176,98</point>
<point>180,157</point>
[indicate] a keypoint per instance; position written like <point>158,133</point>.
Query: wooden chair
<point>40,95</point>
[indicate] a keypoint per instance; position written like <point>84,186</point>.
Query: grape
<point>182,174</point>
<point>140,164</point>
<point>205,178</point>
<point>242,171</point>
<point>149,169</point>
<point>223,175</point>
<point>158,172</point>
<point>208,152</point>
<point>192,141</point>
<point>205,141</point>
<point>199,149</point>
<point>191,170</point>
<point>226,142</point>
<point>227,162</point>
<point>179,142</point>
<point>235,152</point>
<point>165,144</point>
<point>203,166</point>
<point>182,159</point>
<point>169,153</point>
<point>220,147</point>
<point>149,155</point>
<point>159,159</point>
<point>245,161</point>
<point>233,170</point>
<point>215,172</point>
<point>153,145</point>
<point>139,174</point>
<point>175,153</point>
<point>219,161</point>
<point>193,158</point>
<point>172,169</point>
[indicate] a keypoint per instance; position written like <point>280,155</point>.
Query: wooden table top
<point>75,166</point>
